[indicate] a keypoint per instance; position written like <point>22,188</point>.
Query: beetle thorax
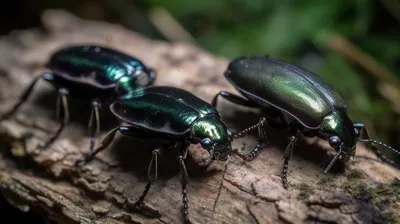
<point>339,124</point>
<point>213,136</point>
<point>209,127</point>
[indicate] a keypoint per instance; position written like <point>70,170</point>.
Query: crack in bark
<point>27,188</point>
<point>252,193</point>
<point>283,219</point>
<point>239,187</point>
<point>252,214</point>
<point>220,187</point>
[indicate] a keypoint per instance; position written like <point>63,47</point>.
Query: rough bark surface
<point>364,190</point>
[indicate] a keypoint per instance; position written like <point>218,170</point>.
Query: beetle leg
<point>22,99</point>
<point>234,99</point>
<point>184,181</point>
<point>94,119</point>
<point>251,155</point>
<point>107,140</point>
<point>286,156</point>
<point>62,104</point>
<point>362,132</point>
<point>152,173</point>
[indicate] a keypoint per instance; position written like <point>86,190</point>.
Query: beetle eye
<point>334,141</point>
<point>230,135</point>
<point>206,143</point>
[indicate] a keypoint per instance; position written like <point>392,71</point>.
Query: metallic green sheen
<point>125,85</point>
<point>94,64</point>
<point>339,124</point>
<point>290,88</point>
<point>212,128</point>
<point>162,109</point>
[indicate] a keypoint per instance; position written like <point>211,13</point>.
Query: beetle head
<point>213,136</point>
<point>338,129</point>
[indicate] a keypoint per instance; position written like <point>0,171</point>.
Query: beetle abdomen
<point>162,109</point>
<point>290,88</point>
<point>93,63</point>
<point>184,97</point>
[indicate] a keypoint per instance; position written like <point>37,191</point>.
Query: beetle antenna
<point>260,123</point>
<point>333,160</point>
<point>240,134</point>
<point>369,141</point>
<point>379,154</point>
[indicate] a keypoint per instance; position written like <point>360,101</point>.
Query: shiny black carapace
<point>96,73</point>
<point>172,118</point>
<point>294,98</point>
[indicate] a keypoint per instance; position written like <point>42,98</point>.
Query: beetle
<point>297,99</point>
<point>91,72</point>
<point>172,118</point>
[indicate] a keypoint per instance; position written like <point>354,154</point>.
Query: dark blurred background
<point>354,45</point>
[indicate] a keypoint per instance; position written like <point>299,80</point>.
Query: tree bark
<point>364,190</point>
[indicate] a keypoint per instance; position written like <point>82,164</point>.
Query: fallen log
<point>365,190</point>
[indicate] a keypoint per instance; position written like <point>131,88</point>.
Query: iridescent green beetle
<point>172,118</point>
<point>298,99</point>
<point>96,73</point>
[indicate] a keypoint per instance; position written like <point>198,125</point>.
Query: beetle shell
<point>94,65</point>
<point>162,109</point>
<point>289,88</point>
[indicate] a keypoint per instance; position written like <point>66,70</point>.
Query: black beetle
<point>172,118</point>
<point>294,98</point>
<point>96,73</point>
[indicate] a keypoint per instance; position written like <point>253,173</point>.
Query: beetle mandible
<point>172,118</point>
<point>294,98</point>
<point>95,73</point>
